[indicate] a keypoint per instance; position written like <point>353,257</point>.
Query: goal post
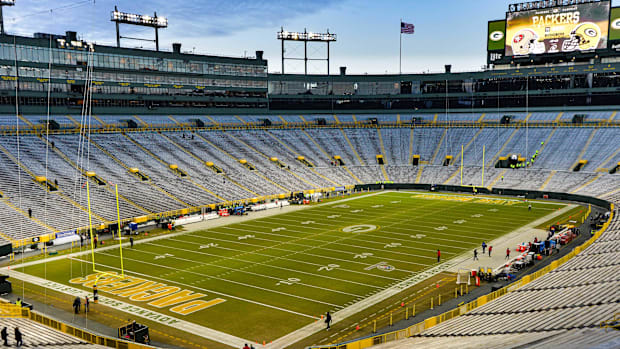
<point>92,243</point>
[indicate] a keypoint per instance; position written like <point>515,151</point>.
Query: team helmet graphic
<point>585,36</point>
<point>525,41</point>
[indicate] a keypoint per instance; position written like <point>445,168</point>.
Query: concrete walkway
<point>511,240</point>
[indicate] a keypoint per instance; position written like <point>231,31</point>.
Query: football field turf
<point>266,277</point>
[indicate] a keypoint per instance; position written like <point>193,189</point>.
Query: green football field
<point>266,277</point>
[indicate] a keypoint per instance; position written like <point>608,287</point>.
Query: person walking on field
<point>438,256</point>
<point>507,253</point>
<point>328,319</point>
<point>490,249</point>
<point>5,336</point>
<point>484,246</point>
<point>18,338</point>
<point>476,254</point>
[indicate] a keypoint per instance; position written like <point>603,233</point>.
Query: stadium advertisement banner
<point>614,24</point>
<point>496,35</point>
<point>579,27</point>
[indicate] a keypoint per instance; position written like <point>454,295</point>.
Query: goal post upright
<point>92,243</point>
<point>120,240</point>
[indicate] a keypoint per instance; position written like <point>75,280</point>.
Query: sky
<point>446,31</point>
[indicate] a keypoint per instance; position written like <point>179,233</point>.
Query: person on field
<point>76,305</point>
<point>507,253</point>
<point>246,346</point>
<point>328,319</point>
<point>86,304</point>
<point>490,249</point>
<point>18,337</point>
<point>131,241</point>
<point>438,256</point>
<point>529,207</point>
<point>484,246</point>
<point>476,254</point>
<point>5,336</point>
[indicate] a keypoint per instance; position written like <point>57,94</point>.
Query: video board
<point>561,29</point>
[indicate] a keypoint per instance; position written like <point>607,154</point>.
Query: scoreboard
<point>571,28</point>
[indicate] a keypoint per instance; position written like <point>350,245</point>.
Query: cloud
<point>223,18</point>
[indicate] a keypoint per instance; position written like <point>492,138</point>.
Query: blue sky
<point>447,31</point>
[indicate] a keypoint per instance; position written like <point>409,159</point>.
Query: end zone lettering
<point>158,295</point>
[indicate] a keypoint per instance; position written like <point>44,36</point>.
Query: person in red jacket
<point>508,253</point>
<point>438,256</point>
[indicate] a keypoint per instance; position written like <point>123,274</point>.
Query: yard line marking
<point>265,264</point>
<point>327,249</point>
<point>299,252</point>
<point>305,238</point>
<point>289,259</point>
<point>148,277</point>
<point>226,280</point>
<point>120,305</point>
<point>241,270</point>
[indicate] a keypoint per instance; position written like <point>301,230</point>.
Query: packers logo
<point>615,24</point>
<point>496,35</point>
<point>591,32</point>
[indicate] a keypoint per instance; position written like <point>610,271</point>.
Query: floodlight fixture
<point>154,22</point>
<point>306,37</point>
<point>2,4</point>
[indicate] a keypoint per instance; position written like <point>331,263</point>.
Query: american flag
<point>406,28</point>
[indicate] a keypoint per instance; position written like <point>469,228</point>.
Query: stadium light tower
<point>141,20</point>
<point>2,4</point>
<point>306,37</point>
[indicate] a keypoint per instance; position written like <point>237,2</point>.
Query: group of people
<point>77,304</point>
<point>4,334</point>
<point>484,249</point>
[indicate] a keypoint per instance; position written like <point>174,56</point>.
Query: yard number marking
<point>329,267</point>
<point>363,255</point>
<point>307,222</point>
<point>289,281</point>
<point>417,236</point>
<point>342,206</point>
<point>245,237</point>
<point>443,227</point>
<point>460,221</point>
<point>164,256</point>
<point>392,245</point>
<point>377,206</point>
<point>278,229</point>
<point>333,216</point>
<point>357,211</point>
<point>476,215</point>
<point>208,245</point>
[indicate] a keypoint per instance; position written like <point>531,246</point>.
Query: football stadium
<point>160,198</point>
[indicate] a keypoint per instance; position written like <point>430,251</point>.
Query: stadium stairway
<point>185,150</point>
<point>546,182</point>
<point>238,139</point>
<point>167,165</point>
<point>327,156</point>
<point>58,193</point>
<point>117,160</point>
<point>357,155</point>
<point>270,134</point>
<point>107,187</point>
<point>436,152</point>
<point>258,173</point>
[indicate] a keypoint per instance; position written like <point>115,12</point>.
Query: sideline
<point>511,240</point>
<point>134,310</point>
<point>451,265</point>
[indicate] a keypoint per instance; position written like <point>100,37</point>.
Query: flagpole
<point>400,50</point>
